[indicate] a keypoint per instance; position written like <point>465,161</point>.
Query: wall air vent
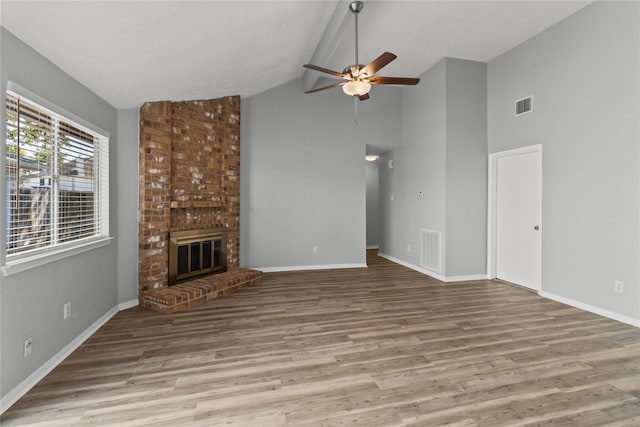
<point>431,257</point>
<point>524,106</point>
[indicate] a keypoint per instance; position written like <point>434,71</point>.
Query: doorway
<point>373,203</point>
<point>515,213</point>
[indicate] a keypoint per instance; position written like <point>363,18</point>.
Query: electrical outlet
<point>618,286</point>
<point>28,346</point>
<point>408,248</point>
<point>315,249</point>
<point>67,310</point>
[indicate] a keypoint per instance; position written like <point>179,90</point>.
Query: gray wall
<point>443,156</point>
<point>419,165</point>
<point>127,238</point>
<point>373,205</point>
<point>466,205</point>
<point>32,301</point>
<point>583,74</point>
<point>303,174</point>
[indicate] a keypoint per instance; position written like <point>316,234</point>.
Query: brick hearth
<point>196,291</point>
<point>189,179</point>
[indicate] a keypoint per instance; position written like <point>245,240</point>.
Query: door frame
<point>492,209</point>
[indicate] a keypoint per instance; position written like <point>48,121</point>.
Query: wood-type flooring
<point>377,346</point>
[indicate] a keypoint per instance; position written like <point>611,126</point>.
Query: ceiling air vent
<point>524,106</point>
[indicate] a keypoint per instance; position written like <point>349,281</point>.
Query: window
<point>57,188</point>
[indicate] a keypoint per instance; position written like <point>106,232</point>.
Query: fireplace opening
<point>196,252</point>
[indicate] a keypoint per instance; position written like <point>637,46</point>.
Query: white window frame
<point>22,261</point>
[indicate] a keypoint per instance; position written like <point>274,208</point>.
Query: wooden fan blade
<point>364,97</point>
<point>393,80</point>
<point>325,87</point>
<point>378,63</point>
<point>323,70</point>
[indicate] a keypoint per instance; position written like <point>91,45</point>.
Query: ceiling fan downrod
<point>356,8</point>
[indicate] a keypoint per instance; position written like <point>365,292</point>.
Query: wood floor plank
<point>378,346</point>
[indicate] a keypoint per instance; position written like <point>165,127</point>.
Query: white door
<point>518,240</point>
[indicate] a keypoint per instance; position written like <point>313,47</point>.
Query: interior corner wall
<point>583,76</point>
<point>439,174</point>
<point>127,238</point>
<point>303,174</point>
<point>466,174</point>
<point>32,301</point>
<point>418,165</point>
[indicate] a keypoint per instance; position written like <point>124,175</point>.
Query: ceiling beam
<point>338,25</point>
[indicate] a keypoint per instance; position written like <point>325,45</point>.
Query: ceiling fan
<point>358,78</point>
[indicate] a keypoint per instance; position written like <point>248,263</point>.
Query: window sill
<point>27,263</point>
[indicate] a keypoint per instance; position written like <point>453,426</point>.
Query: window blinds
<point>57,179</point>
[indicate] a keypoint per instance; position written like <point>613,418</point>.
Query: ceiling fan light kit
<point>356,88</point>
<point>357,79</point>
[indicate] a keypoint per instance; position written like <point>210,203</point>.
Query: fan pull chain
<point>355,109</point>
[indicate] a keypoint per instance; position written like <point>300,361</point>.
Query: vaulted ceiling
<point>130,52</point>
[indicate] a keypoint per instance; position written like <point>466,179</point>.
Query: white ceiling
<point>130,52</point>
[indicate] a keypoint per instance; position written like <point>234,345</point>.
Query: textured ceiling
<point>130,52</point>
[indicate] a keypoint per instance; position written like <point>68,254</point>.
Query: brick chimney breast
<point>189,178</point>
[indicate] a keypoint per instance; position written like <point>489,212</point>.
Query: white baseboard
<point>413,267</point>
<point>373,247</point>
<point>308,267</point>
<point>21,389</point>
<point>128,304</point>
<point>586,307</point>
<point>447,279</point>
<point>467,278</point>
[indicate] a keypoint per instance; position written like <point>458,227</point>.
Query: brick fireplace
<point>189,179</point>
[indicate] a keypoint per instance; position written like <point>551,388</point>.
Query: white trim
<point>597,310</point>
<point>51,255</point>
<point>373,247</point>
<point>430,273</point>
<point>128,304</point>
<point>466,278</point>
<point>491,205</point>
<point>21,389</point>
<point>102,202</point>
<point>308,267</point>
<point>414,267</point>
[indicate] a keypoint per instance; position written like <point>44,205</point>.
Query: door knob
<point>537,227</point>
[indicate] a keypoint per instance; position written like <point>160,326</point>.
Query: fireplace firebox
<point>196,252</point>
